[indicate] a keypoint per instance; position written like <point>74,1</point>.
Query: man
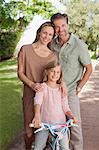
<point>76,69</point>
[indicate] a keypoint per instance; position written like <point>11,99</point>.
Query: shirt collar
<point>70,41</point>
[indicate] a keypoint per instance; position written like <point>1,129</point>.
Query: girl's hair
<point>49,66</point>
<point>45,24</point>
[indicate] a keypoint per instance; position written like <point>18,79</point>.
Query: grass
<point>11,119</point>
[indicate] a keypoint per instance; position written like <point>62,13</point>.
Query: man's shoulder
<point>80,42</point>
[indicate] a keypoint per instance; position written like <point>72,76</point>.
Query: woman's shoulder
<point>26,46</point>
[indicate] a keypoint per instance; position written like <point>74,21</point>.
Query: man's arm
<point>86,75</point>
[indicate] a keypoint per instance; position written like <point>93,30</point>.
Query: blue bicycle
<point>57,132</point>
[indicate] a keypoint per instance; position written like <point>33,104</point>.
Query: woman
<point>32,60</point>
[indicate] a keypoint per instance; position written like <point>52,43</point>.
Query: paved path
<point>89,99</point>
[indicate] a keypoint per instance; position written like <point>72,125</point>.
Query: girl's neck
<point>52,84</point>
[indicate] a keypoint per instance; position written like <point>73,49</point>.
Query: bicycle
<point>57,132</point>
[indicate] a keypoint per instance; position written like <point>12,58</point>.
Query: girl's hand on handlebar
<point>36,122</point>
<point>75,120</point>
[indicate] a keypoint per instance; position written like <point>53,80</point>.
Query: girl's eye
<point>50,34</point>
<point>44,32</point>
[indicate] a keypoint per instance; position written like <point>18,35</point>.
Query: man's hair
<point>59,16</point>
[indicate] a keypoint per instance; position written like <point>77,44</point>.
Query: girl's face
<point>54,74</point>
<point>46,35</point>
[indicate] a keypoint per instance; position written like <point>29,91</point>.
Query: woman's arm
<point>21,74</point>
<point>23,77</point>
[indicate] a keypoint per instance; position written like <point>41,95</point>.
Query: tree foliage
<point>14,17</point>
<point>18,13</point>
<point>83,17</point>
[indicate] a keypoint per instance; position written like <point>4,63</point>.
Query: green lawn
<point>11,119</point>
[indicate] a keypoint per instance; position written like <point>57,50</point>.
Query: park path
<point>89,100</point>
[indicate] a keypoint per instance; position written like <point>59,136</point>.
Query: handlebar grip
<point>31,125</point>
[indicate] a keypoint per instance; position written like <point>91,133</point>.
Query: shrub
<point>8,42</point>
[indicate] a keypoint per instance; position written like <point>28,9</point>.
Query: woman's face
<point>46,35</point>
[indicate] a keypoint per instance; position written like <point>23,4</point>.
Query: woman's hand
<point>37,87</point>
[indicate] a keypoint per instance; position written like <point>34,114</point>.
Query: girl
<point>32,59</point>
<point>51,106</point>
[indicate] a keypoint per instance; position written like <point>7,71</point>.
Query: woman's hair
<point>49,66</point>
<point>46,24</point>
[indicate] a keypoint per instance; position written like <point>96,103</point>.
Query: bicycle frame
<point>55,134</point>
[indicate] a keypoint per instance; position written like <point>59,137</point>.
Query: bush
<point>8,43</point>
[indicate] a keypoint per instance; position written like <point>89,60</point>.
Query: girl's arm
<point>67,110</point>
<point>23,77</point>
<point>37,119</point>
<point>38,99</point>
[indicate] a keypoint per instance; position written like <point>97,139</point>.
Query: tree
<point>14,17</point>
<point>83,17</point>
<point>18,13</point>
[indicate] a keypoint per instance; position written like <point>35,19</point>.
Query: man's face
<point>61,27</point>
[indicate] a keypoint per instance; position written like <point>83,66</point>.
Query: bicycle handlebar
<point>46,126</point>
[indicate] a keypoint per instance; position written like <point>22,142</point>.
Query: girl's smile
<point>54,74</point>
